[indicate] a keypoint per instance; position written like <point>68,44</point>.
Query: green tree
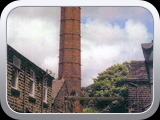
<point>109,83</point>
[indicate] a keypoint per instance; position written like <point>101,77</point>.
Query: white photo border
<point>79,116</point>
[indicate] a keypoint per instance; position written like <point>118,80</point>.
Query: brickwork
<point>139,87</point>
<point>140,81</point>
<point>70,51</point>
<point>19,98</point>
<point>138,96</point>
<point>70,48</point>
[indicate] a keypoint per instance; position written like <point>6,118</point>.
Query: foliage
<point>89,110</point>
<point>109,83</point>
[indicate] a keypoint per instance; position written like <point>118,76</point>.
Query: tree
<point>109,83</point>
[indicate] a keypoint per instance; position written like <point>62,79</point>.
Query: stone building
<point>140,81</point>
<point>29,88</point>
<point>58,94</point>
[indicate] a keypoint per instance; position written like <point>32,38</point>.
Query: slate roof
<point>137,71</point>
<point>148,51</point>
<point>147,45</point>
<point>56,86</point>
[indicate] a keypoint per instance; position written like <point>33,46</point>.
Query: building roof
<point>29,62</point>
<point>137,71</point>
<point>56,86</point>
<point>147,45</point>
<point>148,51</point>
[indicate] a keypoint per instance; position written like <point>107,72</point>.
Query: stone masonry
<point>139,92</point>
<point>140,81</point>
<point>19,98</point>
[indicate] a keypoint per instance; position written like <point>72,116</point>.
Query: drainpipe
<point>42,94</point>
<point>138,99</point>
<point>136,95</point>
<point>25,71</point>
<point>43,89</point>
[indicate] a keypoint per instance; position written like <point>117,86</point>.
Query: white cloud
<point>34,38</point>
<point>120,13</point>
<point>104,45</point>
<point>34,32</point>
<point>50,63</point>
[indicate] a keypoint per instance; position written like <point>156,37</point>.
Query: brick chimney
<point>70,49</point>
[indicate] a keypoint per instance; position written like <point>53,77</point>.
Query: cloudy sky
<point>109,35</point>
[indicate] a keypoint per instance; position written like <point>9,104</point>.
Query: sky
<point>109,35</point>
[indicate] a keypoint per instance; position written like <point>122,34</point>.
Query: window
<point>15,78</point>
<point>32,83</point>
<point>16,62</point>
<point>45,91</point>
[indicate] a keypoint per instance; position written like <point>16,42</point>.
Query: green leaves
<point>89,110</point>
<point>109,83</point>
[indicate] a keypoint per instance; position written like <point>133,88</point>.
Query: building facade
<point>29,88</point>
<point>140,81</point>
<point>58,93</point>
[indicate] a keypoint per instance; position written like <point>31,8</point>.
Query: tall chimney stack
<point>70,48</point>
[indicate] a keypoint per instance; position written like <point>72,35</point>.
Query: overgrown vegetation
<point>109,83</point>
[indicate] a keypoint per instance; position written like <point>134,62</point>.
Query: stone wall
<point>19,98</point>
<point>139,87</point>
<point>60,105</point>
<point>138,96</point>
